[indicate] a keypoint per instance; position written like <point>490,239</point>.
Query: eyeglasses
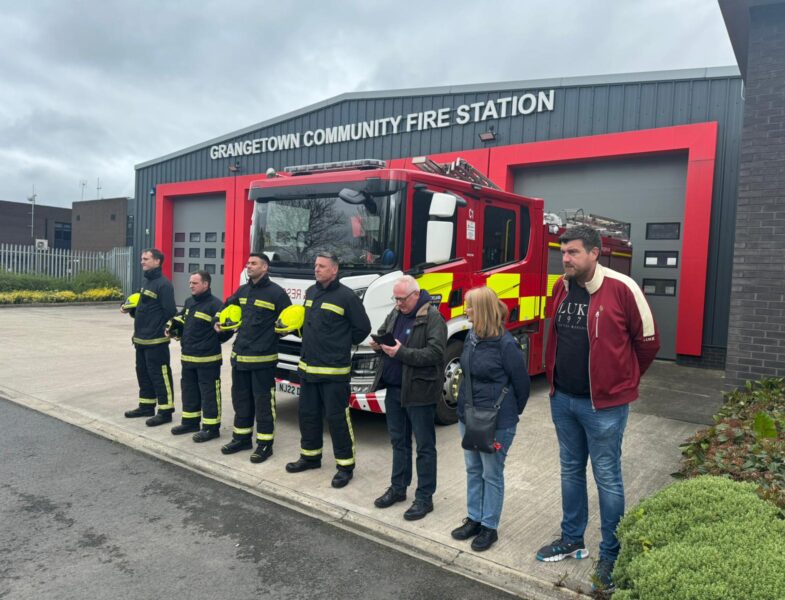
<point>402,298</point>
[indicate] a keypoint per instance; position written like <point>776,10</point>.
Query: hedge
<point>48,297</point>
<point>707,538</point>
<point>14,282</point>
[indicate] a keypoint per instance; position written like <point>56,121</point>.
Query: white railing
<point>58,262</point>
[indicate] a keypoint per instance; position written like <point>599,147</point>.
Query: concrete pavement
<point>76,363</point>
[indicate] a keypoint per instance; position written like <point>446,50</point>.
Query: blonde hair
<point>488,312</point>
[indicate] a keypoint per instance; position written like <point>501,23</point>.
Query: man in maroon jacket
<point>602,339</point>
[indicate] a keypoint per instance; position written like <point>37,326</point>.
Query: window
<point>62,235</point>
<point>195,237</point>
<point>113,217</point>
<point>78,217</point>
<point>498,245</point>
<point>210,268</point>
<point>223,236</point>
<point>178,267</point>
<point>659,287</point>
<point>179,252</point>
<point>194,252</point>
<point>663,231</point>
<point>129,230</point>
<point>209,252</point>
<point>222,269</point>
<point>222,252</point>
<point>211,236</point>
<point>193,267</point>
<point>421,206</point>
<point>668,259</point>
<point>179,237</point>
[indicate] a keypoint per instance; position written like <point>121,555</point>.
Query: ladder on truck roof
<point>607,226</point>
<point>457,169</point>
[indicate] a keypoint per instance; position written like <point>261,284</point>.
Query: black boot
<point>485,539</point>
<point>302,464</point>
<point>141,411</point>
<point>341,478</point>
<point>468,529</point>
<point>262,453</point>
<point>205,435</point>
<point>185,427</point>
<point>160,419</point>
<point>236,445</point>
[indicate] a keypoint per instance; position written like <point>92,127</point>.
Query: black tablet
<point>386,340</point>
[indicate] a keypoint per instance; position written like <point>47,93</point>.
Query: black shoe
<point>418,510</point>
<point>205,435</point>
<point>390,497</point>
<point>602,581</point>
<point>236,445</point>
<point>485,539</point>
<point>262,453</point>
<point>140,412</point>
<point>160,419</point>
<point>301,464</point>
<point>185,428</point>
<point>468,529</point>
<point>341,478</point>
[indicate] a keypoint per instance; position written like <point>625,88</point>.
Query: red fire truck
<point>445,224</point>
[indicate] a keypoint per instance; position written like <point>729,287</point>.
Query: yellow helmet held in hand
<point>132,301</point>
<point>290,320</point>
<point>230,318</point>
<point>175,327</point>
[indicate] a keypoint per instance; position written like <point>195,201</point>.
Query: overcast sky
<point>88,89</point>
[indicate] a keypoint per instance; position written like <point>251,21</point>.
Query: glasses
<point>402,298</point>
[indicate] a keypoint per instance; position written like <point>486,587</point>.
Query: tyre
<point>446,408</point>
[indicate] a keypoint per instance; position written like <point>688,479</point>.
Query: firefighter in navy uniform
<point>254,356</point>
<point>335,319</point>
<point>201,358</point>
<point>154,308</point>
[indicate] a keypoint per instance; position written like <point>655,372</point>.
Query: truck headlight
<point>364,365</point>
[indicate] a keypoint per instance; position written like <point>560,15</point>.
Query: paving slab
<point>78,367</point>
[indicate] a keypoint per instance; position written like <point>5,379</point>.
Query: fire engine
<point>447,225</point>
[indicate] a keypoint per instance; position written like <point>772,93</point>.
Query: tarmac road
<point>85,518</point>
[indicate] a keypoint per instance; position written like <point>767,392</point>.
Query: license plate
<point>288,388</point>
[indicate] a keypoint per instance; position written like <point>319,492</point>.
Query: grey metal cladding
<point>582,107</point>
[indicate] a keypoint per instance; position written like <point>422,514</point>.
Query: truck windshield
<point>291,228</point>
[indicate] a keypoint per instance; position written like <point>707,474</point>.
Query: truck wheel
<point>446,409</point>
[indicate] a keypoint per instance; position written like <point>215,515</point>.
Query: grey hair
<point>411,283</point>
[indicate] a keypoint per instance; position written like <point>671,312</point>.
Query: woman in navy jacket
<point>495,361</point>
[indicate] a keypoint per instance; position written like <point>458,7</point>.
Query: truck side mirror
<point>443,205</point>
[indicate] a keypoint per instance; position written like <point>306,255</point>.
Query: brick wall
<point>756,332</point>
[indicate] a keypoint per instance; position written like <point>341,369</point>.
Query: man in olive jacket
<point>412,371</point>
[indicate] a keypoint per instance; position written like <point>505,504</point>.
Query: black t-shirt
<point>572,350</point>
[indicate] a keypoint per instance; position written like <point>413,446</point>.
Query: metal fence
<point>57,262</point>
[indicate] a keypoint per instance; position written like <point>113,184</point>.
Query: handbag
<point>480,423</point>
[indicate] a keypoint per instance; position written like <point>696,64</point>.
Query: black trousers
<point>154,375</point>
<point>201,391</point>
<point>330,400</point>
<point>253,395</point>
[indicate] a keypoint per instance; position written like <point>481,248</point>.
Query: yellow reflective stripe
<point>332,307</point>
<point>506,285</point>
<point>255,359</point>
<point>201,359</point>
<point>437,284</point>
<point>554,245</point>
<point>216,421</point>
<point>206,421</point>
<point>542,307</point>
<point>265,437</point>
<point>324,370</point>
<point>529,308</point>
<point>152,342</point>
<point>192,415</point>
<point>552,279</point>
<point>309,303</point>
<point>272,406</point>
<point>623,254</point>
<point>344,462</point>
<point>150,294</point>
<point>264,304</point>
<point>243,300</point>
<point>347,462</point>
<point>169,395</point>
<point>148,401</point>
<point>456,312</point>
<point>305,452</point>
<point>243,430</point>
<point>203,316</point>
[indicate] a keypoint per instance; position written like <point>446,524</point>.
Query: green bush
<point>54,297</point>
<point>11,282</point>
<point>90,280</point>
<point>747,441</point>
<point>707,538</point>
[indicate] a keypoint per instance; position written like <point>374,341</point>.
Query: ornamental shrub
<point>707,538</point>
<point>44,297</point>
<point>90,280</point>
<point>11,282</point>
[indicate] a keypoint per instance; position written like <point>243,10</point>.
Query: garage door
<point>648,192</point>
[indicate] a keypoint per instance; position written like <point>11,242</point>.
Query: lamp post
<point>31,199</point>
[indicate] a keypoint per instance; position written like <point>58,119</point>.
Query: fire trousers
<point>155,377</point>
<point>331,400</point>
<point>201,391</point>
<point>253,395</point>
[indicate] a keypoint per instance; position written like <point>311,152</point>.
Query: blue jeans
<point>585,433</point>
<point>485,479</point>
<point>401,423</point>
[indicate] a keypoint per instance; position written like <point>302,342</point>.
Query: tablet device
<point>386,340</point>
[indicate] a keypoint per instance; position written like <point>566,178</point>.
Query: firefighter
<point>200,383</point>
<point>335,319</point>
<point>254,356</point>
<point>154,308</point>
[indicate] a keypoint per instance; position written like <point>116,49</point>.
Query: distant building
<point>51,223</point>
<point>101,224</point>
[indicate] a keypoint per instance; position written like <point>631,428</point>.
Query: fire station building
<point>658,150</point>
